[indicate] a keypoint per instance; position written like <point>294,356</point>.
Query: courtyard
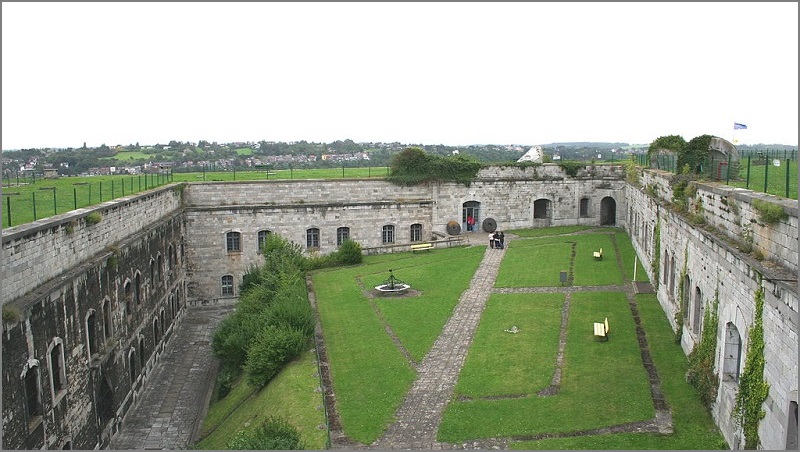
<point>496,349</point>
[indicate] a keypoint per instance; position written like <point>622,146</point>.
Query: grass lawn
<point>592,393</point>
<point>291,395</point>
<point>370,374</point>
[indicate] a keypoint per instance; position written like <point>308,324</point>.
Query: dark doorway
<point>608,211</point>
<point>470,209</point>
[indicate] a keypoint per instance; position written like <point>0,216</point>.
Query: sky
<point>447,73</point>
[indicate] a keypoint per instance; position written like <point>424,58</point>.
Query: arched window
<point>128,296</point>
<point>91,333</point>
<point>732,361</point>
<point>388,234</point>
<point>156,331</point>
<point>137,288</point>
<point>142,356</point>
<point>697,312</point>
<point>132,365</point>
<point>342,234</point>
<point>170,261</point>
<point>416,232</point>
<point>312,238</point>
<point>108,324</point>
<point>541,208</point>
<point>233,242</point>
<point>33,392</point>
<point>262,239</point>
<point>58,374</point>
<point>227,286</point>
<point>685,296</point>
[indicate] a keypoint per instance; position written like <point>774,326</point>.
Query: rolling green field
<point>28,200</point>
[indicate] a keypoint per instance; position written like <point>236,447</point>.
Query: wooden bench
<point>601,329</point>
<point>598,255</point>
<point>421,247</point>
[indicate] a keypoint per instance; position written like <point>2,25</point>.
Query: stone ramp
<point>168,412</point>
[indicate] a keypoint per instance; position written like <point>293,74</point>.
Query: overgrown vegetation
<point>632,172</point>
<point>768,212</point>
<point>93,218</point>
<point>682,296</point>
<point>753,390</point>
<point>571,167</point>
<point>11,314</point>
<point>656,265</point>
<point>273,434</point>
<point>273,321</point>
<point>701,373</point>
<point>413,166</point>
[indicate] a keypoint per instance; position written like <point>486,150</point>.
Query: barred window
<point>342,234</point>
<point>262,239</point>
<point>312,238</point>
<point>233,241</point>
<point>416,232</point>
<point>227,285</point>
<point>388,234</point>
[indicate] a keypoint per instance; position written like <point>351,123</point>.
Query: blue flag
<point>737,126</point>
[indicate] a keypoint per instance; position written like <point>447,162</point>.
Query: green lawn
<point>603,383</point>
<point>292,395</point>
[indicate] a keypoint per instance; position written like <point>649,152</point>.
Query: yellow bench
<point>598,255</point>
<point>421,247</point>
<point>601,329</point>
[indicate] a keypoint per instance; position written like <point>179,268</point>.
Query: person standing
<point>500,238</point>
<point>470,223</point>
<point>491,240</point>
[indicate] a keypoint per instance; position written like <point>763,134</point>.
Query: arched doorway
<point>608,211</point>
<point>542,213</point>
<point>471,209</point>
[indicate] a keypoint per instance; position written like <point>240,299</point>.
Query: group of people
<point>497,240</point>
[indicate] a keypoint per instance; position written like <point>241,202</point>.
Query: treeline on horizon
<point>73,161</point>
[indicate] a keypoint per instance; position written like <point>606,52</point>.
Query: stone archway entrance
<point>608,211</point>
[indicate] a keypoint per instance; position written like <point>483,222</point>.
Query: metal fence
<point>769,171</point>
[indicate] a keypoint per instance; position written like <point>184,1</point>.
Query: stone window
<point>91,333</point>
<point>262,239</point>
<point>416,232</point>
<point>227,285</point>
<point>152,271</point>
<point>58,375</point>
<point>67,445</point>
<point>156,331</point>
<point>160,268</point>
<point>163,322</point>
<point>142,356</point>
<point>584,209</point>
<point>541,208</point>
<point>128,297</point>
<point>132,364</point>
<point>342,234</point>
<point>388,234</point>
<point>108,324</point>
<point>697,313</point>
<point>170,261</point>
<point>233,242</point>
<point>312,238</point>
<point>685,296</point>
<point>791,428</point>
<point>732,359</point>
<point>33,395</point>
<point>137,288</point>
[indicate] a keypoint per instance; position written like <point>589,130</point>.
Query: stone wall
<point>81,341</point>
<point>705,254</point>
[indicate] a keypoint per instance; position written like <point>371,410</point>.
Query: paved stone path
<point>171,407</point>
<point>419,416</point>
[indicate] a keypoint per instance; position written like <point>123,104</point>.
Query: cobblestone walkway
<point>419,416</point>
<point>171,406</point>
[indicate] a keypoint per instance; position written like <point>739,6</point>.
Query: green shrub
<point>11,313</point>
<point>273,347</point>
<point>93,218</point>
<point>350,253</point>
<point>701,360</point>
<point>570,167</point>
<point>768,212</point>
<point>273,434</point>
<point>413,166</point>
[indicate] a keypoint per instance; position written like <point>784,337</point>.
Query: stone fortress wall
<point>126,281</point>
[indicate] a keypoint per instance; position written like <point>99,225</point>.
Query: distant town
<point>177,156</point>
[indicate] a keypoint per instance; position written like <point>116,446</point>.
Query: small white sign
<point>776,162</point>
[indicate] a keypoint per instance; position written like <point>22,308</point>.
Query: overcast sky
<point>416,73</point>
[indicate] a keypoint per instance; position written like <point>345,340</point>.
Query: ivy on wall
<point>701,373</point>
<point>656,265</point>
<point>753,390</point>
<point>413,166</point>
<point>681,289</point>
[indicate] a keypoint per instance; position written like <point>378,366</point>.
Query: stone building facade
<point>78,346</point>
